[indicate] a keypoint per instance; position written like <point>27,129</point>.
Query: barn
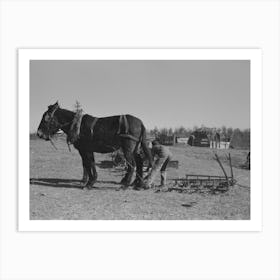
<point>199,138</point>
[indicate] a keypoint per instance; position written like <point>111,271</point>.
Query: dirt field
<point>55,189</point>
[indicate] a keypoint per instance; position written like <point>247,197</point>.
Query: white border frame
<point>24,57</point>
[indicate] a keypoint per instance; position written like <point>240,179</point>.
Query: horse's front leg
<point>138,182</point>
<point>127,180</point>
<point>89,168</point>
<point>93,168</point>
<point>85,174</point>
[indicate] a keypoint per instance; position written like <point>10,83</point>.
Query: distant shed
<point>199,138</point>
<point>181,140</point>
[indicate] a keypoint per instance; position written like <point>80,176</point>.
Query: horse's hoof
<point>125,187</point>
<point>89,185</point>
<point>139,185</point>
<point>123,181</point>
<point>87,188</point>
<point>146,187</point>
<point>122,188</point>
<point>161,189</point>
<point>126,184</point>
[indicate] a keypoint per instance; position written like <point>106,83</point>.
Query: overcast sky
<point>161,93</point>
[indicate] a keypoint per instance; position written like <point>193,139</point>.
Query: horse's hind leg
<point>138,182</point>
<point>129,156</point>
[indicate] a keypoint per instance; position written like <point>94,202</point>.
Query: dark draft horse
<point>100,135</point>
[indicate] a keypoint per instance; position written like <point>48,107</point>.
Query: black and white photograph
<point>140,139</point>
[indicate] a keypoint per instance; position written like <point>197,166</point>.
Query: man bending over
<point>161,156</point>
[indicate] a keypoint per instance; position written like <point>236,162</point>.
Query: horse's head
<point>49,124</point>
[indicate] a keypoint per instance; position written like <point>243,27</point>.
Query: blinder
<point>51,121</point>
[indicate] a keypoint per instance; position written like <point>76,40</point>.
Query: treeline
<point>226,133</point>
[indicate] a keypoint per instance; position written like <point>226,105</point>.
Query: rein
<point>53,143</point>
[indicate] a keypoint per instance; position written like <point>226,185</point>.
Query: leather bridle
<point>52,120</point>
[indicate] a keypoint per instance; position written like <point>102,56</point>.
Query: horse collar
<point>93,125</point>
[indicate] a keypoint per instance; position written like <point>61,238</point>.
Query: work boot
<point>162,187</point>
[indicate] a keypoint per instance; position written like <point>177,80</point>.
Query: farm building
<point>166,139</point>
<point>223,145</point>
<point>199,138</point>
<point>182,140</point>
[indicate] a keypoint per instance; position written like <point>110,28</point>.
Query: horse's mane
<point>74,132</point>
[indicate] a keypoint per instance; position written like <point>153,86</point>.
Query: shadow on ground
<point>57,183</point>
<point>105,164</point>
<point>108,164</point>
<point>67,183</point>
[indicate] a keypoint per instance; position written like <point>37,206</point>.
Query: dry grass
<point>55,190</point>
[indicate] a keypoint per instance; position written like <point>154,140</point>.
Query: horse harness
<point>123,123</point>
<point>125,134</point>
<point>53,120</point>
<point>93,125</point>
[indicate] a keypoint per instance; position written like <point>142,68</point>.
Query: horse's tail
<point>143,140</point>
